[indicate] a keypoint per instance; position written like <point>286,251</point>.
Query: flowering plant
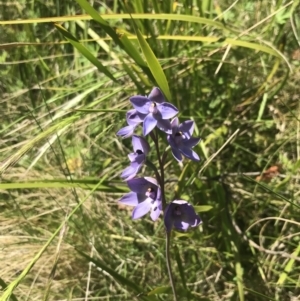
<point>147,193</point>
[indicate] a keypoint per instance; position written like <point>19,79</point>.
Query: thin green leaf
<point>289,266</point>
<point>272,191</point>
<point>154,65</point>
<point>132,50</point>
<point>161,290</point>
<point>64,183</point>
<point>180,267</point>
<point>120,39</point>
<point>3,285</point>
<point>239,275</point>
<point>84,51</point>
<point>123,280</point>
<point>203,208</point>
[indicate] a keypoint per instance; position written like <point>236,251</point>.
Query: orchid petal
<point>149,124</point>
<point>131,171</point>
<point>189,153</point>
<point>141,103</point>
<point>181,225</point>
<point>179,202</point>
<point>171,141</point>
<point>141,209</point>
<point>139,143</point>
<point>156,95</point>
<point>197,221</point>
<point>175,122</point>
<point>187,127</point>
<point>133,117</point>
<point>167,110</point>
<point>176,153</point>
<point>130,199</point>
<point>132,157</point>
<point>181,215</point>
<point>151,180</point>
<point>138,185</point>
<point>164,125</point>
<point>156,210</point>
<point>190,143</point>
<point>126,131</point>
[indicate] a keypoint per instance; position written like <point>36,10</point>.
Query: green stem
<point>168,242</point>
<point>153,167</point>
<point>161,168</point>
<point>161,161</point>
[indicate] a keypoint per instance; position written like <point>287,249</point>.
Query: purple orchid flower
<point>181,140</point>
<point>156,111</point>
<point>141,148</point>
<point>145,196</point>
<point>133,118</point>
<point>180,215</point>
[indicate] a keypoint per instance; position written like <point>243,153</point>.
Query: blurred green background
<point>231,66</point>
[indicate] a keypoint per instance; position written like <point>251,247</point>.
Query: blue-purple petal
<point>180,225</point>
<point>190,143</point>
<point>141,103</point>
<point>130,199</point>
<point>197,221</point>
<point>181,215</point>
<point>141,209</point>
<point>175,122</point>
<point>167,110</point>
<point>189,153</point>
<point>132,157</point>
<point>156,210</point>
<point>176,153</point>
<point>126,131</point>
<point>140,159</point>
<point>138,185</point>
<point>152,181</point>
<point>149,124</point>
<point>128,173</point>
<point>171,141</point>
<point>131,171</point>
<point>187,127</point>
<point>156,95</point>
<point>133,117</point>
<point>139,143</point>
<point>164,125</point>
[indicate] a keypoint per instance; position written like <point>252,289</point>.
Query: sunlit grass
<point>228,67</point>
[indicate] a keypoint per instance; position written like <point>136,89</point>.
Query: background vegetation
<point>232,66</point>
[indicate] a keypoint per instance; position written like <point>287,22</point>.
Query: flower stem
<point>161,179</point>
<point>161,168</point>
<point>168,242</point>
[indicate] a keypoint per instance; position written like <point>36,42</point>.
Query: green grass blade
<point>132,50</point>
<point>120,40</point>
<point>96,16</point>
<point>239,276</point>
<point>180,267</point>
<point>123,280</point>
<point>160,290</point>
<point>93,14</point>
<point>154,66</point>
<point>272,191</point>
<point>3,286</point>
<point>65,183</point>
<point>289,266</point>
<point>11,287</point>
<point>84,51</point>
